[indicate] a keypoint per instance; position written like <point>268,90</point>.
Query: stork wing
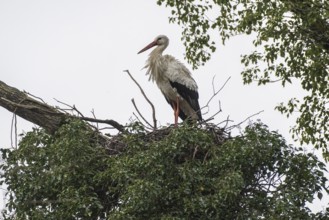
<point>180,78</point>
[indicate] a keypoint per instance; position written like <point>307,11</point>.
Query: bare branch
<point>49,117</point>
<point>213,116</point>
<point>213,84</point>
<point>13,128</point>
<point>143,93</point>
<point>36,97</point>
<point>19,105</point>
<point>135,106</point>
<point>233,126</point>
<point>72,108</point>
<point>216,92</point>
<point>144,125</point>
<point>93,113</point>
<point>113,123</point>
<point>106,128</point>
<point>225,121</point>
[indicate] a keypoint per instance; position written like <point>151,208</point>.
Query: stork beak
<point>154,43</point>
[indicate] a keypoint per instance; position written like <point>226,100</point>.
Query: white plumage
<point>174,80</point>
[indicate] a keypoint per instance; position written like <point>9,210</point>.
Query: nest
<point>116,144</point>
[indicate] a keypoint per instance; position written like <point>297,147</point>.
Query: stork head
<point>160,41</point>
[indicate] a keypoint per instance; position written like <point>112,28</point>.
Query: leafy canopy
<point>291,39</point>
<point>182,173</point>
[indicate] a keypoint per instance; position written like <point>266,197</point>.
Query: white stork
<point>174,80</point>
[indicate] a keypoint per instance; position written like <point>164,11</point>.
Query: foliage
<point>184,174</point>
<point>54,177</point>
<point>291,39</point>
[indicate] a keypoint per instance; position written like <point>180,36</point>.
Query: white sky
<point>76,51</point>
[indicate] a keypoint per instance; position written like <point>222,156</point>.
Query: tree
<point>69,170</point>
<point>291,38</point>
<point>186,172</point>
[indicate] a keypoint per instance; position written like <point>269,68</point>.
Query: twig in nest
<point>135,106</point>
<point>213,116</point>
<point>225,121</point>
<point>211,98</point>
<point>143,93</point>
<point>144,125</point>
<point>233,126</point>
<point>215,92</point>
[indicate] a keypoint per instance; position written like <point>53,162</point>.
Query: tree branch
<point>234,126</point>
<point>111,122</point>
<point>46,116</point>
<point>30,109</point>
<point>135,106</point>
<point>143,93</point>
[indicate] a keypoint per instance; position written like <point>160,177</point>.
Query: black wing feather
<point>191,96</point>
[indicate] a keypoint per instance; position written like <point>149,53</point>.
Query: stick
<point>233,126</point>
<point>143,93</point>
<point>113,123</point>
<point>217,90</point>
<point>133,101</point>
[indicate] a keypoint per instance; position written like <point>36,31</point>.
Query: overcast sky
<point>76,51</point>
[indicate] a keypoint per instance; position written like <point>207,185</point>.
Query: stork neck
<point>158,50</point>
<point>154,64</point>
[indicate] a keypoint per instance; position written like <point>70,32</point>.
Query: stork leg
<point>175,106</point>
<point>176,110</point>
